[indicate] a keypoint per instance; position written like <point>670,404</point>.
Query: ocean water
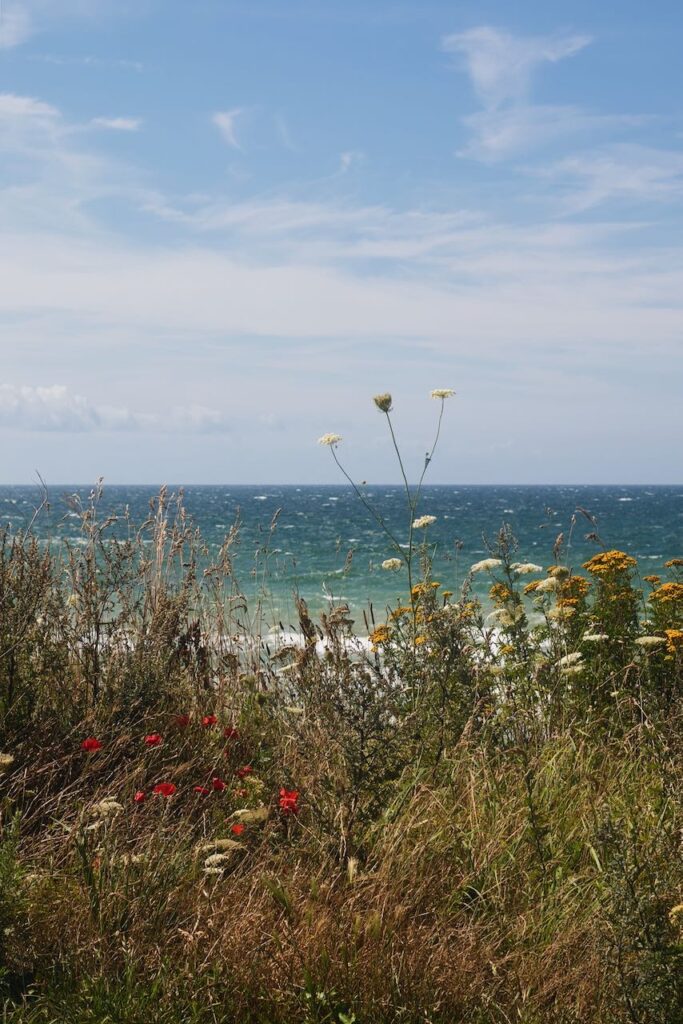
<point>326,546</point>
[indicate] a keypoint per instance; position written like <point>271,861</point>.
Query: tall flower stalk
<point>404,552</point>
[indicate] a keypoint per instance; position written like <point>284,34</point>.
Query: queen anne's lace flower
<point>442,392</point>
<point>392,563</point>
<point>383,402</point>
<point>423,521</point>
<point>486,565</point>
<point>526,568</point>
<point>329,439</point>
<point>570,659</point>
<point>650,641</point>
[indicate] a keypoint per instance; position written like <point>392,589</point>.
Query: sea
<point>322,544</point>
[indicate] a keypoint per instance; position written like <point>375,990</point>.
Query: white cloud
<point>15,25</point>
<point>55,408</point>
<point>501,65</point>
<point>226,122</point>
<point>118,124</point>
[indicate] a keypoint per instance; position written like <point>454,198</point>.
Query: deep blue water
<point>318,526</point>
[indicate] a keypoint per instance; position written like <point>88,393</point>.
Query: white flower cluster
<point>329,439</point>
<point>423,521</point>
<point>442,393</point>
<point>525,568</point>
<point>392,564</point>
<point>486,565</point>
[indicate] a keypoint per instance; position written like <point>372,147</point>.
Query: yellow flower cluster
<point>399,612</point>
<point>419,640</point>
<point>420,589</point>
<point>609,562</point>
<point>654,580</point>
<point>674,562</point>
<point>668,593</point>
<point>380,635</point>
<point>500,593</point>
<point>674,640</point>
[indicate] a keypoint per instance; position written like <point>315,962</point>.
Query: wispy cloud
<point>118,124</point>
<point>15,24</point>
<point>89,61</point>
<point>501,65</point>
<point>226,122</point>
<point>56,408</point>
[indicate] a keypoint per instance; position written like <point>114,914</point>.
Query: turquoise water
<point>318,527</point>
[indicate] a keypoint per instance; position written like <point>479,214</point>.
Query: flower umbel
<point>423,521</point>
<point>392,564</point>
<point>442,393</point>
<point>383,402</point>
<point>330,439</point>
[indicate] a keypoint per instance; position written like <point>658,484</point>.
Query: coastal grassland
<point>477,820</point>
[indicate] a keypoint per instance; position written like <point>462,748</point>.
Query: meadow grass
<point>478,820</point>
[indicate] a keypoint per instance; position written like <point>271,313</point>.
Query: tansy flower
<point>609,562</point>
<point>91,744</point>
<point>419,640</point>
<point>289,801</point>
<point>140,797</point>
<point>237,829</point>
<point>442,393</point>
<point>392,564</point>
<point>165,789</point>
<point>153,740</point>
<point>423,521</point>
<point>208,721</point>
<point>242,773</point>
<point>673,562</point>
<point>383,402</point>
<point>330,439</point>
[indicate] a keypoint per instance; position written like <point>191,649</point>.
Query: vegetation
<point>478,819</point>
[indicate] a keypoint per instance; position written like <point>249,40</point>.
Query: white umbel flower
<point>548,586</point>
<point>595,638</point>
<point>486,565</point>
<point>442,393</point>
<point>526,568</point>
<point>650,641</point>
<point>570,659</point>
<point>392,564</point>
<point>329,439</point>
<point>423,521</point>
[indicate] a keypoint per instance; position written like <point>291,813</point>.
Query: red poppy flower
<point>237,829</point>
<point>202,789</point>
<point>165,789</point>
<point>218,784</point>
<point>153,740</point>
<point>208,721</point>
<point>140,797</point>
<point>242,773</point>
<point>289,801</point>
<point>91,744</point>
<point>230,733</point>
<point>182,721</point>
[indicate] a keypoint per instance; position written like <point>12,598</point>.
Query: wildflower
<point>673,562</point>
<point>668,593</point>
<point>379,636</point>
<point>608,562</point>
<point>153,740</point>
<point>560,572</point>
<point>447,594</point>
<point>676,914</point>
<point>506,616</point>
<point>595,638</point>
<point>237,829</point>
<point>383,402</point>
<point>221,845</point>
<point>486,565</point>
<point>526,568</point>
<point>442,393</point>
<point>650,641</point>
<point>674,640</point>
<point>140,796</point>
<point>106,808</point>
<point>91,744</point>
<point>423,521</point>
<point>230,733</point>
<point>399,612</point>
<point>242,773</point>
<point>572,670</point>
<point>288,801</point>
<point>655,580</point>
<point>392,564</point>
<point>547,586</point>
<point>6,761</point>
<point>208,721</point>
<point>165,789</point>
<point>419,640</point>
<point>182,721</point>
<point>330,439</point>
<point>561,613</point>
<point>217,860</point>
<point>218,785</point>
<point>500,593</point>
<point>202,790</point>
<point>570,659</point>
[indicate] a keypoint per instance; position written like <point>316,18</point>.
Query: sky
<point>225,226</point>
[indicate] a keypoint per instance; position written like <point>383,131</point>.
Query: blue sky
<point>225,226</point>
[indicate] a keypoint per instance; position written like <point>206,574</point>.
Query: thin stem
<point>373,511</point>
